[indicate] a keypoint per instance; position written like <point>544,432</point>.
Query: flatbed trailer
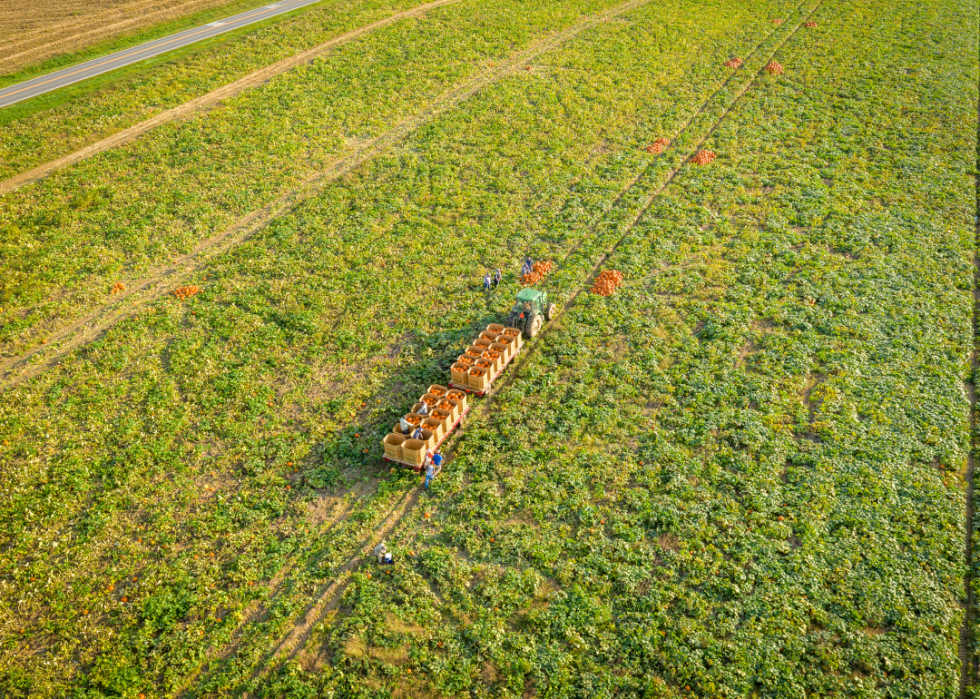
<point>459,421</point>
<point>489,388</point>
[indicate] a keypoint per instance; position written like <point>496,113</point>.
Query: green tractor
<point>530,311</point>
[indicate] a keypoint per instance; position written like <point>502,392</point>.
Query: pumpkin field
<point>738,462</point>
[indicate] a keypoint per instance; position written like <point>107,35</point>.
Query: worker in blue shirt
<point>434,465</point>
<point>528,266</point>
<point>486,282</point>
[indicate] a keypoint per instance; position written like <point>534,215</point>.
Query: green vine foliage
<point>740,475</point>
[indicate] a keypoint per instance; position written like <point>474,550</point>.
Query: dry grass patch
<point>32,32</point>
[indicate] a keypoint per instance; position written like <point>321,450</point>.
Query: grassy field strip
<point>139,295</point>
<point>211,98</point>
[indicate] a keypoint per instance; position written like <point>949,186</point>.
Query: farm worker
<point>486,282</point>
<point>498,277</point>
<point>432,466</point>
<point>380,550</point>
<point>424,410</point>
<point>405,426</point>
<point>528,266</point>
<point>418,433</point>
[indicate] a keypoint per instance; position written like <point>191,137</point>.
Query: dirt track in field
<point>32,31</point>
<point>968,631</point>
<point>210,99</point>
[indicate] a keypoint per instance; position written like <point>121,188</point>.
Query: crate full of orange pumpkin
<point>445,410</point>
<point>485,359</point>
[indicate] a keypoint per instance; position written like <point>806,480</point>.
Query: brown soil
<point>32,31</point>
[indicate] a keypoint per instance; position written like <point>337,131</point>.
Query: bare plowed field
<point>31,32</point>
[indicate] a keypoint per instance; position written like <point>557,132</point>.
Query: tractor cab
<point>530,311</point>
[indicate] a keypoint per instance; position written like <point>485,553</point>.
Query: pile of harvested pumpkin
<point>774,68</point>
<point>185,292</point>
<point>733,62</point>
<point>658,146</point>
<point>117,287</point>
<point>703,157</point>
<point>539,272</point>
<point>607,282</point>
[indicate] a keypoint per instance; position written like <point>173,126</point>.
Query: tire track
<point>16,370</point>
<point>705,106</point>
<point>967,645</point>
<point>259,609</point>
<point>670,175</point>
<point>324,600</point>
<point>215,96</point>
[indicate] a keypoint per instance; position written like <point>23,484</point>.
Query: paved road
<point>98,66</point>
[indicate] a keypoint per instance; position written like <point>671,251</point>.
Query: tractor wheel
<point>534,325</point>
<point>512,320</point>
<point>551,311</point>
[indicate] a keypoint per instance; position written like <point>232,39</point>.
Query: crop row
<point>740,475</point>
<point>192,419</point>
